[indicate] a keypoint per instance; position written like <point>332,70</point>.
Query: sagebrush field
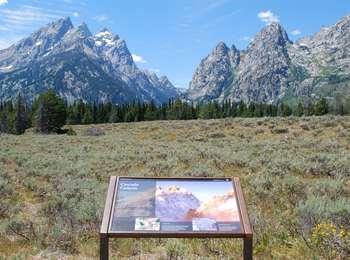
<point>295,174</point>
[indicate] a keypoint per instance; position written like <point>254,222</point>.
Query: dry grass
<point>58,183</point>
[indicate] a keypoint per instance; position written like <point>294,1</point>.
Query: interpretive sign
<point>175,207</point>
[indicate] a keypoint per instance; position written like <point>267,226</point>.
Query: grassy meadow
<point>295,174</point>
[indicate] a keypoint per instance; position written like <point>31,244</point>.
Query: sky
<point>170,37</point>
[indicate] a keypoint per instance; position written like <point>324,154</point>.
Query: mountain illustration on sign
<point>175,203</point>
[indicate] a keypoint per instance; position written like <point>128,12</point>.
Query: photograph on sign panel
<point>203,203</point>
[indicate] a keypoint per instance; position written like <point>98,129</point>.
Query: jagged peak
<point>220,47</point>
<point>341,29</point>
<point>84,29</point>
<point>342,24</point>
<point>273,33</point>
<point>62,22</point>
<point>275,29</point>
<point>57,29</point>
<point>234,48</point>
<point>345,19</point>
<point>164,78</point>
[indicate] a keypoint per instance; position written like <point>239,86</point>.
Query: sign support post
<point>130,199</point>
<point>248,248</point>
<point>104,247</point>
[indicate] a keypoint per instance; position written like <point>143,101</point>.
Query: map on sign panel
<point>175,205</point>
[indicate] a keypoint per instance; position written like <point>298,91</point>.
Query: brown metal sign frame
<point>106,232</point>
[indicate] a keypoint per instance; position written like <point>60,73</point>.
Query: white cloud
<point>76,14</point>
<point>268,17</point>
<point>101,18</point>
<point>26,17</point>
<point>138,59</point>
<point>296,32</point>
<point>16,23</point>
<point>3,2</point>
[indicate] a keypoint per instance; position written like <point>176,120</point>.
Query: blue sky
<point>168,36</point>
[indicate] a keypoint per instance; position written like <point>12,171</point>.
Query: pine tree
<point>114,117</point>
<point>242,108</point>
<point>41,119</point>
<point>51,113</point>
<point>321,107</point>
<point>4,128</point>
<point>88,118</point>
<point>299,110</point>
<point>94,113</point>
<point>20,123</point>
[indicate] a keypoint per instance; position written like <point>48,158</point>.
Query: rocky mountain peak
<point>212,75</point>
<point>344,22</point>
<point>220,49</point>
<point>234,56</point>
<point>164,79</point>
<point>54,31</point>
<point>51,34</point>
<point>264,66</point>
<point>234,49</point>
<point>273,34</point>
<point>77,33</point>
<point>274,68</point>
<point>61,24</point>
<point>83,28</point>
<point>78,65</point>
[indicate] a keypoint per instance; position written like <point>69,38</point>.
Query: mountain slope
<point>78,65</point>
<point>273,68</point>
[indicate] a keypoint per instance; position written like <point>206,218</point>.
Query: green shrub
<point>328,188</point>
<point>263,184</point>
<point>305,127</point>
<point>279,130</point>
<point>71,132</point>
<point>6,188</point>
<point>30,184</point>
<point>317,209</point>
<point>175,249</point>
<point>293,188</point>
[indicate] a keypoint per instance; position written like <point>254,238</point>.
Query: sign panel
<point>146,205</point>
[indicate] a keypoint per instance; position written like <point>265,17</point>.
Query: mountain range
<point>78,65</point>
<point>273,68</point>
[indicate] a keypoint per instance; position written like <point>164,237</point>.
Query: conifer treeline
<point>48,113</point>
<point>175,109</point>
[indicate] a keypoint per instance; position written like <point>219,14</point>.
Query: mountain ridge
<point>78,65</point>
<point>273,68</point>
